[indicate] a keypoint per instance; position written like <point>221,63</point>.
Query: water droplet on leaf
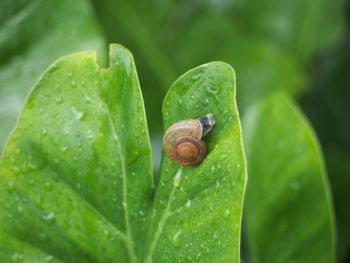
<point>49,218</point>
<point>175,240</point>
<point>177,178</point>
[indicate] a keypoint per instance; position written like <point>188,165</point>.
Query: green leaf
<point>197,210</point>
<point>288,209</point>
<point>33,35</point>
<point>76,182</point>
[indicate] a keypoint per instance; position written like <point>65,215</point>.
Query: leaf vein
<point>129,240</point>
<point>164,217</point>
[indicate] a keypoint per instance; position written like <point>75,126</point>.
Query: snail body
<point>183,142</point>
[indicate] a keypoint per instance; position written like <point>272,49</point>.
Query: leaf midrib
<point>165,215</point>
<point>128,240</point>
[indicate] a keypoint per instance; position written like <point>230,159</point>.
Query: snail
<point>183,140</point>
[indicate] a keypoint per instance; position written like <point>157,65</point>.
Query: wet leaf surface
<point>76,177</point>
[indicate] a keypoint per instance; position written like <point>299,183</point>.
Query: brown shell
<point>187,150</point>
<point>183,143</point>
<point>190,127</point>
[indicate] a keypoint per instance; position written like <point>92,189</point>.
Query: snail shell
<point>183,140</point>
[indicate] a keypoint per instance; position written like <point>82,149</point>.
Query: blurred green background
<point>300,46</point>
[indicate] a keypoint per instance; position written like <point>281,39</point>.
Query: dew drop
<point>59,100</point>
<point>43,237</point>
<point>106,233</point>
<point>90,134</point>
<point>33,164</point>
<point>294,185</point>
<point>49,258</point>
<point>64,148</point>
<point>78,114</point>
<point>17,257</point>
<point>198,257</point>
<point>11,187</point>
<point>195,77</point>
<point>205,102</point>
<point>212,90</point>
<point>227,214</point>
<point>142,213</point>
<point>49,218</point>
<point>222,157</point>
<point>175,239</point>
<point>15,168</point>
<point>20,209</point>
<point>87,98</point>
<point>48,185</point>
<point>177,178</point>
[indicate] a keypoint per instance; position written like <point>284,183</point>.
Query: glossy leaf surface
<point>197,210</point>
<point>76,181</point>
<point>288,210</point>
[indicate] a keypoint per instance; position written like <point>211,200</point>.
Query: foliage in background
<point>288,206</point>
<point>328,107</point>
<point>32,35</point>
<point>271,44</point>
<point>174,36</point>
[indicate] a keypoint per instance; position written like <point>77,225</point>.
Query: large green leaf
<point>288,210</point>
<point>76,181</point>
<point>33,35</point>
<point>197,210</point>
<point>75,176</point>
